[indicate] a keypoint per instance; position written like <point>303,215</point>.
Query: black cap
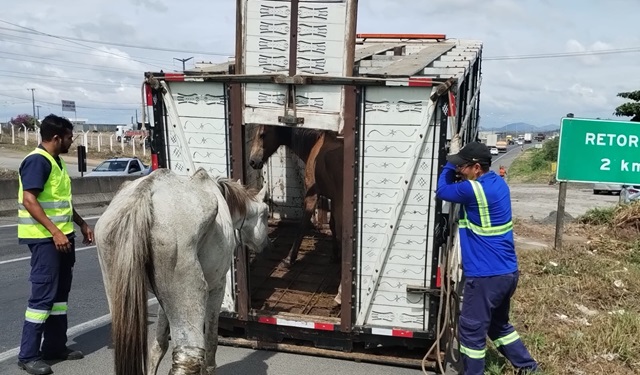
<point>473,152</point>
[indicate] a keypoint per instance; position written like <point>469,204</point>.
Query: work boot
<point>37,367</point>
<point>67,355</point>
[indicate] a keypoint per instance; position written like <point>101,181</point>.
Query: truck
<point>492,139</point>
<point>501,146</point>
<point>395,100</point>
<point>124,133</point>
<point>528,137</point>
<point>540,137</point>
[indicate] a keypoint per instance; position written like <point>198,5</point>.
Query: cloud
<point>155,5</point>
<point>573,45</point>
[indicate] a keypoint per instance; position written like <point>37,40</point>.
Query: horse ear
<point>262,195</point>
<point>239,181</point>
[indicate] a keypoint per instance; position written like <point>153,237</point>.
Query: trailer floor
<point>306,288</point>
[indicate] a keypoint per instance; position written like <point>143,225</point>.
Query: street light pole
<point>183,61</point>
<point>33,101</point>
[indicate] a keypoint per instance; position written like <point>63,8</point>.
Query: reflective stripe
<point>473,353</point>
<point>506,340</point>
<point>485,229</point>
<point>483,206</point>
<point>492,231</point>
<point>59,308</point>
<point>54,219</point>
<point>48,205</point>
<point>36,316</point>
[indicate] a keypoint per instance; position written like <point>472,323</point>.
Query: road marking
<point>27,258</point>
<point>503,155</point>
<point>76,330</point>
<point>15,225</point>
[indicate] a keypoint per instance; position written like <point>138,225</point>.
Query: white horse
<point>174,236</point>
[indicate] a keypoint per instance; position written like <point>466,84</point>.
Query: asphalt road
<point>89,323</point>
<point>11,159</point>
<point>508,157</point>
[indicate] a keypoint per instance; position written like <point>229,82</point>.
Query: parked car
<point>494,151</point>
<point>629,193</point>
<point>607,188</point>
<point>120,167</point>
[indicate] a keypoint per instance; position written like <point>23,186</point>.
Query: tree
<point>629,109</point>
<point>26,120</point>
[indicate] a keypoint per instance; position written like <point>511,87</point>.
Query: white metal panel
<point>283,174</point>
<point>197,137</point>
<point>399,140</point>
<point>321,45</point>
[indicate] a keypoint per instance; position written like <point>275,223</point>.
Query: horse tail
<point>131,237</point>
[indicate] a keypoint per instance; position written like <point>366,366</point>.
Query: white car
<point>120,167</point>
<point>494,151</point>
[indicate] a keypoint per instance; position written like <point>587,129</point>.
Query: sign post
<point>596,151</point>
<point>70,106</point>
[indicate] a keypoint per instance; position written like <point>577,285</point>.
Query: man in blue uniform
<point>489,261</point>
<point>45,224</point>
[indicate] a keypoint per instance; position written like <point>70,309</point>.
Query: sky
<point>90,58</point>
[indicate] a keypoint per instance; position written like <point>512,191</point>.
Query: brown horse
<point>322,153</point>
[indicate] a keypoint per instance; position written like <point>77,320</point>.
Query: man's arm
<point>451,191</point>
<point>87,232</point>
<point>78,219</point>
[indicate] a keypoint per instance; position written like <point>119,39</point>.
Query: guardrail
<point>87,192</point>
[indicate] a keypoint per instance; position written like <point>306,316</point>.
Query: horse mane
<point>236,195</point>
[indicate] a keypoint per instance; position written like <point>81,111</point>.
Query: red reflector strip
<point>147,91</point>
<point>420,82</point>
<point>154,162</point>
<point>401,36</point>
<point>401,333</point>
<point>267,320</point>
<point>174,77</point>
<point>323,326</point>
<point>438,278</point>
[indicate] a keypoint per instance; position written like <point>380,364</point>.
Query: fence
<point>93,141</point>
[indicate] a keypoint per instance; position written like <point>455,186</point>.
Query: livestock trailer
<point>394,100</point>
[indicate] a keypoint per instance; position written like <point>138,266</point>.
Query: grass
<point>578,310</point>
<point>529,167</point>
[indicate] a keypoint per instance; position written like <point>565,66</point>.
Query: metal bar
<point>172,112</point>
<point>160,129</point>
<point>293,38</point>
<point>241,9</point>
<point>368,51</point>
<point>349,201</point>
<point>562,198</point>
<point>413,64</point>
<point>300,79</point>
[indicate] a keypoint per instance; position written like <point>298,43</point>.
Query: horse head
<point>249,212</point>
<point>266,141</point>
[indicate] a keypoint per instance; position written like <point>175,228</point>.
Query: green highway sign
<point>599,151</point>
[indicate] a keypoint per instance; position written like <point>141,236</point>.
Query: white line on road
<point>503,155</point>
<point>27,258</point>
<point>15,225</point>
<point>75,330</point>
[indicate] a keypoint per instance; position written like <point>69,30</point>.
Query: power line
<point>562,54</point>
<point>151,48</point>
<point>74,42</point>
<point>51,45</point>
<point>42,77</point>
<point>77,106</point>
<point>88,66</point>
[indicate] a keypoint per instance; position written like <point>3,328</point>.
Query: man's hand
<point>87,233</point>
<point>61,241</point>
<point>454,148</point>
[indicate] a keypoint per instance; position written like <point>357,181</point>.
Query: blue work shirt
<point>482,255</point>
<point>34,173</point>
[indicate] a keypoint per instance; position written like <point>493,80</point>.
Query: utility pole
<point>183,61</point>
<point>33,101</point>
<point>38,107</point>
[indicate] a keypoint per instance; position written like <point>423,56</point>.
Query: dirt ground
<point>538,201</point>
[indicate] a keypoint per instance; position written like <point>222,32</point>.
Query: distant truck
<point>126,132</point>
<point>492,139</point>
<point>501,146</point>
<point>528,137</point>
<point>540,137</point>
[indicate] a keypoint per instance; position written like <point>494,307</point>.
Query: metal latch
<point>419,289</point>
<point>291,120</point>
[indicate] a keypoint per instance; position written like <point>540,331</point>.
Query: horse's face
<point>255,231</point>
<point>265,143</point>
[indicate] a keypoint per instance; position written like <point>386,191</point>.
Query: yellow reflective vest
<point>55,200</point>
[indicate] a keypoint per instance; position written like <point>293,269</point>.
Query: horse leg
<point>213,312</point>
<point>310,202</point>
<point>184,301</point>
<point>160,344</point>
